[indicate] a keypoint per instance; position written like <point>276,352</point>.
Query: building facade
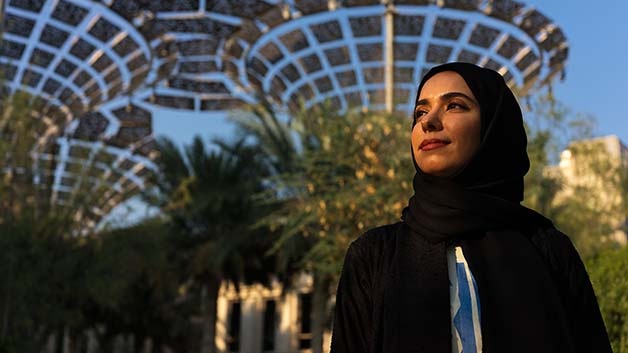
<point>261,319</point>
<point>594,172</point>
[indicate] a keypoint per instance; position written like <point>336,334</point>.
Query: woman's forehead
<point>443,83</point>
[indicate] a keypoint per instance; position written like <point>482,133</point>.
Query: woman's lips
<point>432,144</point>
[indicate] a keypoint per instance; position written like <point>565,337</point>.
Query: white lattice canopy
<point>102,67</point>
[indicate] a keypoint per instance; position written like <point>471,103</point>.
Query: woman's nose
<point>431,122</point>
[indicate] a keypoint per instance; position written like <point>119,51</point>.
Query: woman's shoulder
<point>375,247</point>
<point>557,249</point>
<point>550,239</point>
<point>378,236</point>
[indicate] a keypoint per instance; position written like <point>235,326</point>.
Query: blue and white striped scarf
<point>466,332</point>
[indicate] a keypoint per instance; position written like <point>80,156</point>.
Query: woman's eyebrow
<point>446,96</point>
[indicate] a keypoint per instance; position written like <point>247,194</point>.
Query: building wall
<point>253,299</point>
<point>595,166</point>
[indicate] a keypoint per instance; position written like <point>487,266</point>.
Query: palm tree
<point>209,196</point>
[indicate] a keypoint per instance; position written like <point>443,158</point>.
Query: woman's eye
<point>455,106</point>
<point>418,114</point>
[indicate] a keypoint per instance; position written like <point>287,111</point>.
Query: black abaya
<point>360,327</point>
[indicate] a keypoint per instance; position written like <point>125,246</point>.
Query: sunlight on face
<point>448,125</point>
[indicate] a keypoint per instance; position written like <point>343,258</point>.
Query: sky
<point>596,82</point>
<point>597,75</point>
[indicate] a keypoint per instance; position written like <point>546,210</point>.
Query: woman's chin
<point>439,171</point>
<point>437,166</point>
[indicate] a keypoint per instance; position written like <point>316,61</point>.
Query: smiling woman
<point>446,132</point>
<point>468,269</point>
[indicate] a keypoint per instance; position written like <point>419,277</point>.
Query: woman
<point>468,269</point>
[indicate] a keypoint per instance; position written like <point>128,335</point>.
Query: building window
<point>233,334</point>
<point>305,319</point>
<point>270,324</point>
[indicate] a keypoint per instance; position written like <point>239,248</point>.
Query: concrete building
<point>594,172</point>
<point>260,319</point>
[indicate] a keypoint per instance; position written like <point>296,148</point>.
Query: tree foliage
<point>550,127</point>
<point>333,175</point>
<point>209,198</point>
<point>40,258</point>
<point>583,194</point>
<point>591,205</point>
<point>58,278</point>
<point>351,176</point>
<point>608,274</point>
<point>134,287</point>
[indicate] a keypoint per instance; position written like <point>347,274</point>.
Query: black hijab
<point>479,210</point>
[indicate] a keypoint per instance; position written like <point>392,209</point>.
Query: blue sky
<point>596,82</point>
<point>597,78</point>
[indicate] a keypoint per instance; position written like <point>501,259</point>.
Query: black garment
<point>522,304</point>
<point>359,324</point>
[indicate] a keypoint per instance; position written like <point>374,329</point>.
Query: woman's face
<point>448,125</point>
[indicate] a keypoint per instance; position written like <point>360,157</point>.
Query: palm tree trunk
<point>208,341</point>
<point>319,311</point>
<point>66,340</point>
<point>138,343</point>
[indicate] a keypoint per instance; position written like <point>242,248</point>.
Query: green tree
<point>279,145</point>
<point>550,128</point>
<point>41,283</point>
<point>134,287</point>
<point>38,258</point>
<point>209,196</point>
<point>608,274</point>
<point>585,194</point>
<point>591,204</point>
